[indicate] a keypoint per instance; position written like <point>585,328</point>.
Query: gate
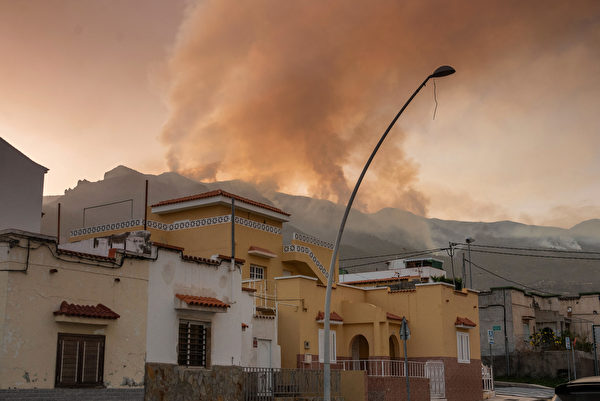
<point>434,371</point>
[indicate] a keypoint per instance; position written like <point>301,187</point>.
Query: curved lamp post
<point>438,73</point>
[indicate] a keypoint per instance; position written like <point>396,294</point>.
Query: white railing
<point>266,292</point>
<point>385,367</point>
<point>487,375</point>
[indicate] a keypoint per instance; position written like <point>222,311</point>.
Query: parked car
<point>584,389</point>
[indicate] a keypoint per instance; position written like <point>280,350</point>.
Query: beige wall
<point>29,330</point>
<point>431,311</point>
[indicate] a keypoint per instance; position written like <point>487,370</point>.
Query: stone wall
<point>543,364</point>
<point>166,382</point>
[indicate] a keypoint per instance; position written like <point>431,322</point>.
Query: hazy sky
<point>293,95</point>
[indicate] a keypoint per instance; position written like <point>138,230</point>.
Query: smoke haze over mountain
<point>294,95</point>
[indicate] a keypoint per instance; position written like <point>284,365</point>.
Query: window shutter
<point>68,361</point>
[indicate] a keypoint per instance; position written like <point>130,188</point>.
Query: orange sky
<point>294,95</point>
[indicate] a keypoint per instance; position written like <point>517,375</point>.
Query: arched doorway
<point>394,347</point>
<point>359,349</point>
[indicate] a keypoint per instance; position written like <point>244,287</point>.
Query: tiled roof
<point>220,192</point>
<point>332,316</point>
<point>198,259</point>
<point>167,246</point>
<point>202,301</point>
<point>99,311</point>
<point>248,289</point>
<point>85,255</point>
<point>391,316</point>
<point>237,260</point>
<point>463,321</point>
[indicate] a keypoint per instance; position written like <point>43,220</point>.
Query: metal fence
<point>264,384</point>
<point>385,367</point>
<point>487,376</point>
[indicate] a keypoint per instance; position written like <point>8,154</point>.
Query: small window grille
<point>192,346</point>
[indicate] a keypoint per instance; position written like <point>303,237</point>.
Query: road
<point>523,393</point>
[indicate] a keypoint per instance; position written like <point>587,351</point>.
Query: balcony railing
<point>385,367</point>
<point>262,384</point>
<point>265,296</point>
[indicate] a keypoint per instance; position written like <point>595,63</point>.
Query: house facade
<point>22,181</point>
<point>69,319</point>
<point>286,280</point>
<point>522,314</point>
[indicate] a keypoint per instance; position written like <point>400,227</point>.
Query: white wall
<point>22,185</point>
<point>170,275</point>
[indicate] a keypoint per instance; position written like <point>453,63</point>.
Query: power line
<point>530,249</point>
<point>509,280</point>
<point>533,255</point>
<point>380,261</point>
<point>393,254</point>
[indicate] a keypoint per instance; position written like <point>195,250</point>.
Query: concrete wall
<point>543,364</point>
<point>22,183</point>
<point>29,329</point>
<point>353,385</point>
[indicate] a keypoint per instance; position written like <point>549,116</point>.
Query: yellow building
<point>290,278</point>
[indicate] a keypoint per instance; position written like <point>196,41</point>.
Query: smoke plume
<point>295,94</point>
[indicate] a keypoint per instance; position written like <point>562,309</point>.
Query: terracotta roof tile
<point>463,321</point>
<point>198,259</point>
<point>391,316</point>
<point>248,289</point>
<point>237,260</point>
<point>167,246</point>
<point>202,301</point>
<point>99,311</point>
<point>86,255</point>
<point>332,316</point>
<point>220,192</point>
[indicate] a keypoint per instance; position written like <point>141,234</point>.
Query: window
<point>332,344</point>
<point>257,272</point>
<point>193,345</point>
<point>79,360</point>
<point>463,350</point>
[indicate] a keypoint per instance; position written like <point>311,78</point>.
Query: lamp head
<point>442,71</point>
<point>470,240</point>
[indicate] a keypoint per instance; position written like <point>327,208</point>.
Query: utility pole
<point>464,273</point>
<point>469,240</point>
<point>451,254</point>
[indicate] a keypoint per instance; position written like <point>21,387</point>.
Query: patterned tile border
<point>306,250</point>
<point>309,239</point>
<point>178,225</point>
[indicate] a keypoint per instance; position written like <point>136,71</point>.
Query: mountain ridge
<point>387,231</point>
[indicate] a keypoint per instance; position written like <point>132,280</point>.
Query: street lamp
<point>469,241</point>
<point>438,73</point>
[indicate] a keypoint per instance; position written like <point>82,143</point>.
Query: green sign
<point>497,328</point>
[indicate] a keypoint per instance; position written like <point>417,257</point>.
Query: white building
<point>422,269</point>
<point>22,183</point>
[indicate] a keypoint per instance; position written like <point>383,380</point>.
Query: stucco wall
<point>431,311</point>
<point>22,183</point>
<point>28,345</point>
